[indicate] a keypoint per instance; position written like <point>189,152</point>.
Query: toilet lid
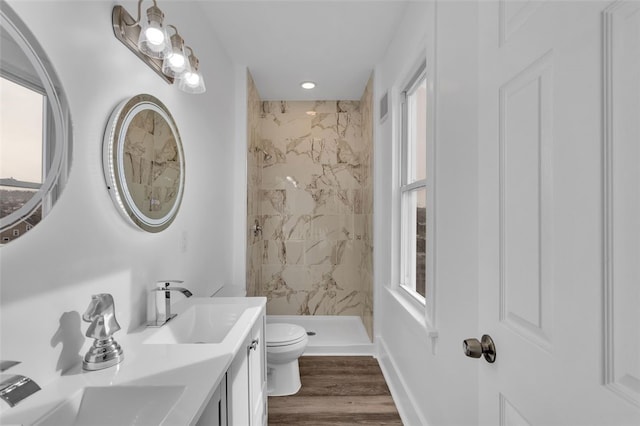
<point>281,334</point>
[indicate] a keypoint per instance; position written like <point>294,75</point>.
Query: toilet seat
<point>284,334</point>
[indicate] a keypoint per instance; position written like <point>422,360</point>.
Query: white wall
<point>433,385</point>
<point>84,246</point>
<point>240,226</point>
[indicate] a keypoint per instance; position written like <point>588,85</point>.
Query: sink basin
<point>203,323</point>
<point>115,405</point>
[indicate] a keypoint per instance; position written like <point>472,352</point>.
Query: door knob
<point>475,349</point>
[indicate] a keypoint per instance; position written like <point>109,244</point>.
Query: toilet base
<point>283,379</point>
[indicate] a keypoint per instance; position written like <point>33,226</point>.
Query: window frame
<point>424,305</point>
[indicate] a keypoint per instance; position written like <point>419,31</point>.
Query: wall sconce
<point>152,40</point>
<point>191,80</point>
<point>149,39</point>
<point>175,62</point>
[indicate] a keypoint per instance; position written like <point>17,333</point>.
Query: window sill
<point>414,308</point>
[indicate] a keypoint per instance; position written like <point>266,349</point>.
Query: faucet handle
<point>15,388</point>
<point>166,283</point>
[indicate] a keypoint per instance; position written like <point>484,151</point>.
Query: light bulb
<point>155,37</point>
<point>192,79</point>
<point>177,61</point>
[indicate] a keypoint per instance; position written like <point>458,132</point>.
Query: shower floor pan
<point>330,335</point>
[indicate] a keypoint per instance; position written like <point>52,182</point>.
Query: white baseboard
<point>404,400</point>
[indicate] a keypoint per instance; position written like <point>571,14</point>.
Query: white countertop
<point>197,367</point>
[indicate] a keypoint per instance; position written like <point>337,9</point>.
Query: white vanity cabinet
<point>241,397</point>
<point>247,380</point>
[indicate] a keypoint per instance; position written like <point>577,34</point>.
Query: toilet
<point>285,344</point>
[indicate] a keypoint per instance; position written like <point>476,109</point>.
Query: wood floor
<point>348,390</point>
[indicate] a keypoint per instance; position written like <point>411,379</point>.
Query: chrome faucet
<point>159,322</point>
<point>105,351</point>
<point>15,388</point>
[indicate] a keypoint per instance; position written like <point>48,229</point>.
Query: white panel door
<point>560,212</point>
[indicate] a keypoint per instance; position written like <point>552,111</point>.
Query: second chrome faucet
<point>167,289</point>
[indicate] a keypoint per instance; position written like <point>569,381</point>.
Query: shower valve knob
<point>256,228</point>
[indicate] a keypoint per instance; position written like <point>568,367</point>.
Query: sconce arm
<point>137,22</point>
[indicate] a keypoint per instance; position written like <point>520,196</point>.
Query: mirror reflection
<point>35,133</point>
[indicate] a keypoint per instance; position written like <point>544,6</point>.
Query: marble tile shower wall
<point>310,189</point>
<point>254,166</point>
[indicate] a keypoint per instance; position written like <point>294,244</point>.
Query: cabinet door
<point>247,384</point>
<point>257,375</point>
<point>215,413</point>
<point>238,388</point>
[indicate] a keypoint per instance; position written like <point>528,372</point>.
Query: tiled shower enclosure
<point>310,191</point>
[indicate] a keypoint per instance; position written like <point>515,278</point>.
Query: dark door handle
<point>475,349</point>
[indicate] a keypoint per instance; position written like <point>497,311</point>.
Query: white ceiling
<point>333,43</point>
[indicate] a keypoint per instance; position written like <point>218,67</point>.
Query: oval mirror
<point>35,136</point>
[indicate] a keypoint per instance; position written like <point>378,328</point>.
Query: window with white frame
<point>414,185</point>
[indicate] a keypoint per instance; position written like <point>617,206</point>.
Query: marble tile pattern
<point>310,189</point>
<point>254,176</point>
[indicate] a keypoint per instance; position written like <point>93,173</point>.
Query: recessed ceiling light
<point>308,85</point>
